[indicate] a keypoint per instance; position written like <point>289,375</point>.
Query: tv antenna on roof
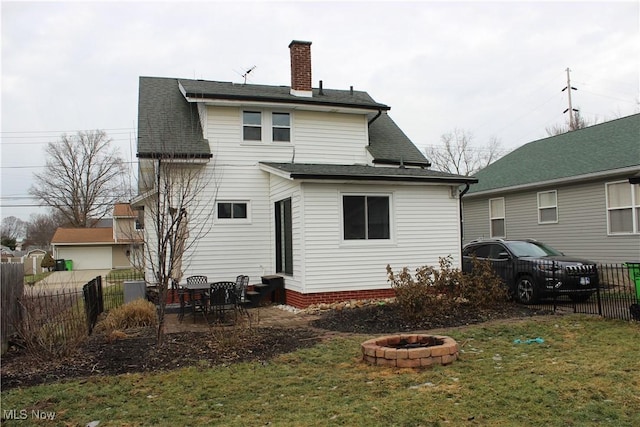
<point>246,73</point>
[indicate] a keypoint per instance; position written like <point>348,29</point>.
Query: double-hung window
<point>281,127</point>
<point>366,217</point>
<point>497,217</point>
<point>547,207</point>
<point>254,121</point>
<point>252,125</point>
<point>623,207</point>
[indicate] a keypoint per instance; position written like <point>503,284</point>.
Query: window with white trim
<point>232,210</point>
<point>548,207</point>
<point>623,208</point>
<point>253,122</point>
<point>281,127</point>
<point>252,126</point>
<point>497,217</point>
<point>366,217</point>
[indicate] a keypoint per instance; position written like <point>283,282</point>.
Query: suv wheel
<point>525,290</point>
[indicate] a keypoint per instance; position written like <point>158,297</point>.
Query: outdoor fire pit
<point>410,350</point>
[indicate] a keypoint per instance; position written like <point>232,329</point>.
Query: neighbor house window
<point>366,217</point>
<point>232,210</point>
<point>281,127</point>
<point>547,207</point>
<point>496,216</point>
<point>623,208</point>
<point>252,125</point>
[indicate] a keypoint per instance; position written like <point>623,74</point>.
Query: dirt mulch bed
<point>138,352</point>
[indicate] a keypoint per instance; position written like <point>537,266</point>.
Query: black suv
<point>533,270</point>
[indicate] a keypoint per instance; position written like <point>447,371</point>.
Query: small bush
<point>435,291</point>
<point>47,262</point>
<point>135,314</point>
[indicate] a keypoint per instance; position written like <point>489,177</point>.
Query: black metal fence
<point>616,294</point>
<point>56,314</point>
<point>93,301</point>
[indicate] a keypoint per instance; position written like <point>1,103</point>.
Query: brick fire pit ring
<point>410,350</point>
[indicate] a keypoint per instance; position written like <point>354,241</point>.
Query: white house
<point>314,185</point>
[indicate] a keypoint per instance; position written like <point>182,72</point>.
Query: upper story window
<point>252,125</point>
<point>497,217</point>
<point>254,121</point>
<point>623,208</point>
<point>281,126</point>
<point>366,217</point>
<point>547,207</point>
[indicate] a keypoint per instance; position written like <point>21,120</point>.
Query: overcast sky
<point>493,69</point>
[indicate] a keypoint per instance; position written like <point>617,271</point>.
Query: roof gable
<point>604,147</point>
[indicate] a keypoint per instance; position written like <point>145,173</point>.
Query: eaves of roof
<point>328,172</point>
<point>209,91</point>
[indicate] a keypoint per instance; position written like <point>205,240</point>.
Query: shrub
<point>435,291</point>
<point>47,262</point>
<point>135,314</point>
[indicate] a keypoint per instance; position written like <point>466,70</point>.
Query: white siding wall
<point>424,227</point>
<point>317,137</point>
<point>581,230</point>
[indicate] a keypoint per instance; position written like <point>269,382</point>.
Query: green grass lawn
<point>586,373</point>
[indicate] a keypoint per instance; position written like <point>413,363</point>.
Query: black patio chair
<point>223,299</point>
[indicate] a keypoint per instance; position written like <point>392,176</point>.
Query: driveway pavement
<point>68,279</point>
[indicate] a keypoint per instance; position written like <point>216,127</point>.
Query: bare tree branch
<point>83,178</point>
<point>457,155</point>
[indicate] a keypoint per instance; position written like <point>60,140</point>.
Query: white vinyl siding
<point>497,217</point>
<point>548,207</point>
<point>424,221</point>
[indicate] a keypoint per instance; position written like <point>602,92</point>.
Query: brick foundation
<point>299,300</point>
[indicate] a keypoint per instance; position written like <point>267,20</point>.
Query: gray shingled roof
<point>168,125</point>
<point>599,148</point>
<point>389,145</point>
<point>366,173</point>
<point>278,94</point>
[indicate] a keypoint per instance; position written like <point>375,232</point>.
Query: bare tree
<point>177,189</point>
<point>13,229</point>
<point>83,178</point>
<point>579,122</point>
<point>457,154</point>
<point>40,229</point>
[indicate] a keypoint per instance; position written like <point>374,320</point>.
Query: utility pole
<point>569,88</point>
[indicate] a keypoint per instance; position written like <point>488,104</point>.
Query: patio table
<point>196,291</point>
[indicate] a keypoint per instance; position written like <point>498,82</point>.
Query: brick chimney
<point>300,68</point>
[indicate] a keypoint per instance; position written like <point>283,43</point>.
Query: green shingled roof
<point>599,148</point>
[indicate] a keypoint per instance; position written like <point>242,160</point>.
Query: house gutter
<point>373,119</point>
<point>462,193</point>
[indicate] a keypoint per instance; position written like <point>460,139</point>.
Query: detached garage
<point>91,248</point>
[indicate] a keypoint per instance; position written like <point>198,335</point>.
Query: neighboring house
<point>573,191</point>
<point>100,247</point>
<point>319,186</point>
